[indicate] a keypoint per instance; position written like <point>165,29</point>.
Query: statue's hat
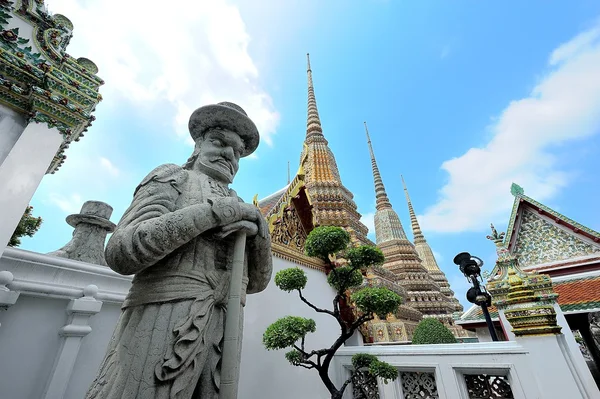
<point>93,212</point>
<point>228,116</point>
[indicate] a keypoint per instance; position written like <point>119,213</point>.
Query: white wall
<point>449,363</point>
<point>267,374</point>
<point>29,328</point>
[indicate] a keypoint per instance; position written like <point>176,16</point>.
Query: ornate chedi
<point>397,327</point>
<point>427,257</point>
<point>333,204</point>
<point>526,298</point>
<point>39,79</point>
<point>402,259</point>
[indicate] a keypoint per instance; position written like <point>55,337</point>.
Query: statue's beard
<point>213,171</point>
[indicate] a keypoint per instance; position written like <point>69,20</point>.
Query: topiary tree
<point>432,331</point>
<point>291,331</point>
<point>28,226</point>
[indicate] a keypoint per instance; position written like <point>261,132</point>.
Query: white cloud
<point>562,107</point>
<point>109,167</point>
<point>368,219</point>
<point>69,204</point>
<point>170,59</point>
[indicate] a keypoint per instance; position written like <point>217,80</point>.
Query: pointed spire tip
<point>308,61</point>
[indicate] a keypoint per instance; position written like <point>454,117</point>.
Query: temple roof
<point>553,223</point>
<point>40,80</point>
<point>266,204</point>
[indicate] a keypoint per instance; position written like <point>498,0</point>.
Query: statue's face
<point>219,154</point>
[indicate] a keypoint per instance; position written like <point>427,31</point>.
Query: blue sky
<point>461,97</point>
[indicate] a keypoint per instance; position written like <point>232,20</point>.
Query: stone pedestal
<point>21,173</point>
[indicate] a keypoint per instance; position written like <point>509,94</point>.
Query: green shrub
<point>286,331</point>
<point>344,277</point>
<point>380,301</point>
<point>365,256</point>
<point>326,240</point>
<point>432,331</point>
<point>291,279</point>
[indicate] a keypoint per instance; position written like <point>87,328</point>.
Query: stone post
<point>77,327</point>
<point>21,173</point>
<point>91,225</point>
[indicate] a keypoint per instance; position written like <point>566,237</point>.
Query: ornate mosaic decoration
<point>39,79</point>
<point>417,385</point>
<point>364,385</point>
<point>520,197</point>
<point>540,241</point>
<point>526,298</point>
<point>288,230</point>
<point>484,386</point>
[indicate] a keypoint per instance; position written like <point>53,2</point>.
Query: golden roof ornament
<point>527,298</point>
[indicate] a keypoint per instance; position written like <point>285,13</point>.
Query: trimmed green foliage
<point>294,357</point>
<point>344,277</point>
<point>287,331</point>
<point>291,279</point>
<point>376,367</point>
<point>380,301</point>
<point>365,256</point>
<point>28,226</point>
<point>326,240</point>
<point>383,370</point>
<point>432,331</point>
<point>362,360</point>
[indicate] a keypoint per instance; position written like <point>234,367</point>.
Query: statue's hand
<point>252,214</point>
<point>227,210</point>
<point>250,228</point>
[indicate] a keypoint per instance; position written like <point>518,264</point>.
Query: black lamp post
<point>470,266</point>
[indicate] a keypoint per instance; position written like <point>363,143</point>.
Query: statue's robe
<point>168,341</point>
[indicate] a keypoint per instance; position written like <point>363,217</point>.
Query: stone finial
<point>91,225</point>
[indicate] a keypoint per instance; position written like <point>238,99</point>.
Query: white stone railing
<point>441,369</point>
<point>56,317</point>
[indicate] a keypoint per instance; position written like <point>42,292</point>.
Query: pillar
<point>12,125</point>
<point>79,311</point>
<point>21,173</point>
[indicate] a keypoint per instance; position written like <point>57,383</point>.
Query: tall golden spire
<point>380,194</point>
<point>418,234</point>
<point>313,123</point>
<point>387,223</point>
<point>428,258</point>
<point>333,203</point>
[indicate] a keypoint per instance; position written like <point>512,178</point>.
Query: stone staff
<point>231,338</point>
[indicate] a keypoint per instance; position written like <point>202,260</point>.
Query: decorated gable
<point>540,235</point>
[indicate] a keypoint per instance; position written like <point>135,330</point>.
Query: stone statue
<point>594,320</point>
<point>91,225</point>
<point>174,238</point>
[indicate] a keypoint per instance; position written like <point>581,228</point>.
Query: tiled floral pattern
<point>540,241</point>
